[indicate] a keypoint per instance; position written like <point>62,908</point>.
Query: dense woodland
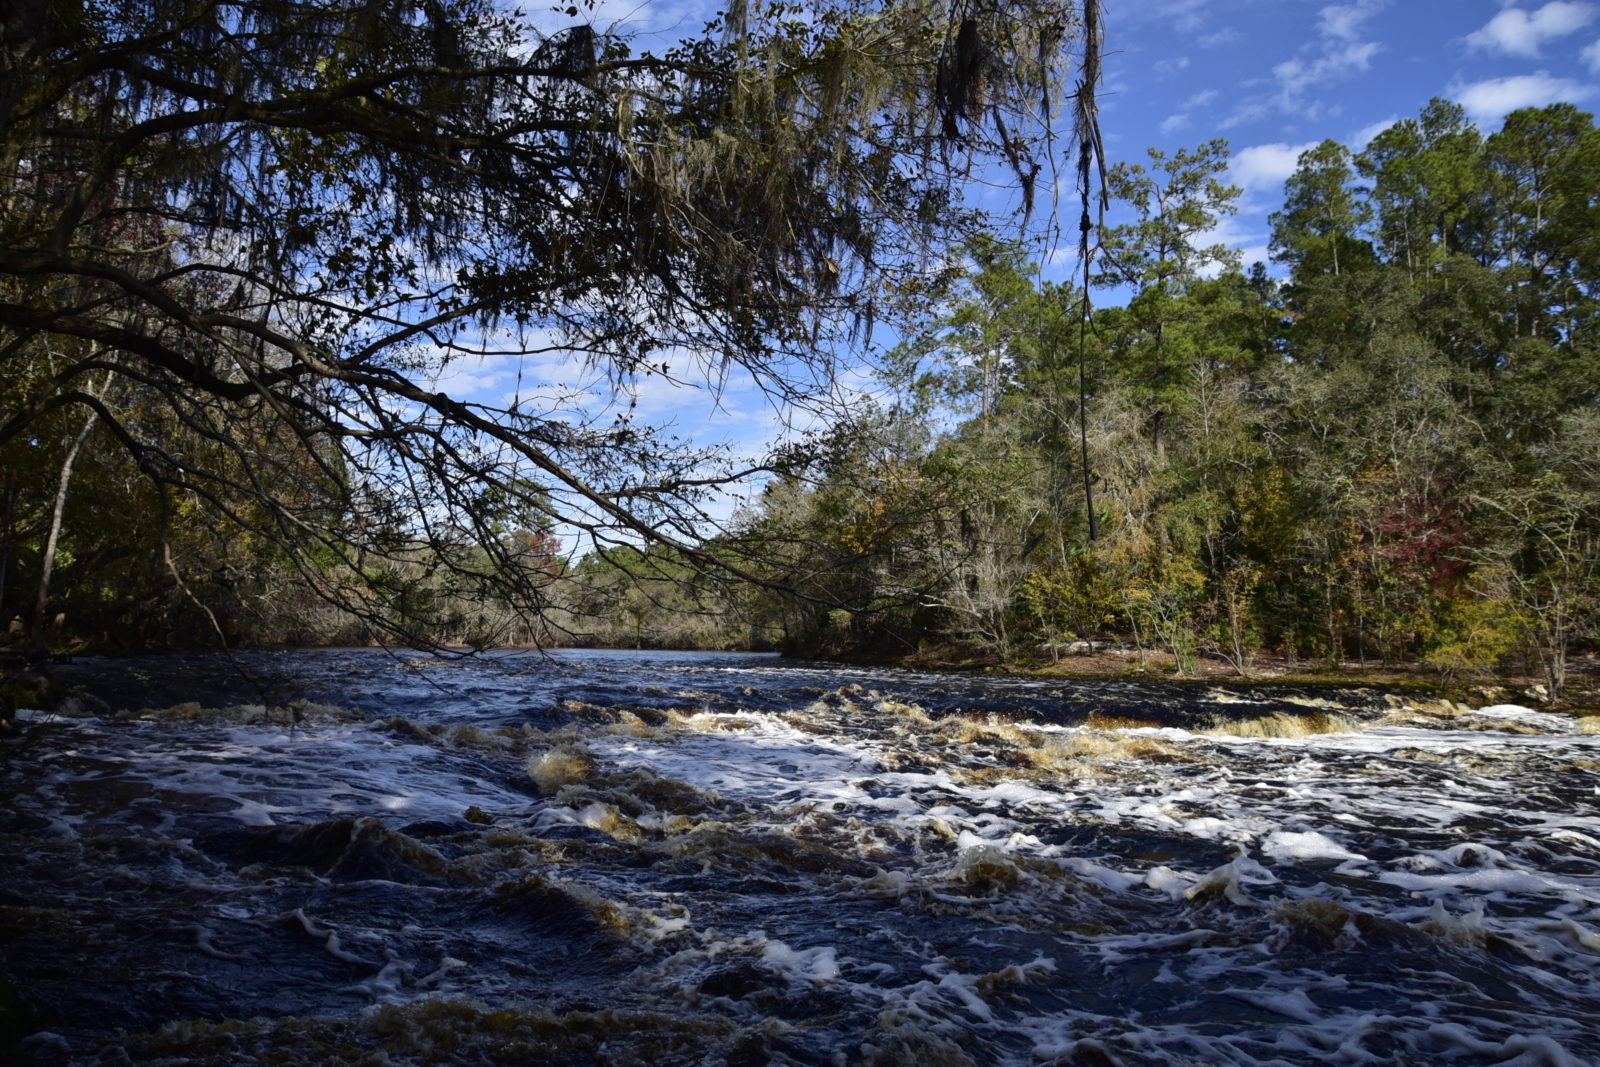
<point>1392,455</point>
<point>224,284</point>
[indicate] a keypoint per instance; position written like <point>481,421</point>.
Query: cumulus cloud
<point>1264,167</point>
<point>1518,32</point>
<point>476,377</point>
<point>1246,238</point>
<point>1487,102</point>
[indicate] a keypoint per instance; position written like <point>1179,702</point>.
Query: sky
<point>1272,77</point>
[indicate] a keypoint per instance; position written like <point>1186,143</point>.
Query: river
<point>670,858</point>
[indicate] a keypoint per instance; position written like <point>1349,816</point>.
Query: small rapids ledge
<point>618,858</point>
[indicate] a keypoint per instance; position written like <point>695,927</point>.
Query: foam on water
<point>800,872</point>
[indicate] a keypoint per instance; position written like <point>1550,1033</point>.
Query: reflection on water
<point>663,858</point>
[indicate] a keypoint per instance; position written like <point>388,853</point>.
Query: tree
<point>1382,462</point>
<point>1318,229</point>
<point>1176,201</point>
<point>972,348</point>
<point>1549,557</point>
<point>861,532</point>
<point>1426,180</point>
<point>1542,194</point>
<point>273,223</point>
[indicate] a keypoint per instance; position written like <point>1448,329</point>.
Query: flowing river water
<point>671,858</point>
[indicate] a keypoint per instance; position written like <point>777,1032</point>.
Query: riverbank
<point>1110,662</point>
<point>1113,662</point>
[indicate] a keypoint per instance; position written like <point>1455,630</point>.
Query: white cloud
<point>1256,253</point>
<point>1222,36</point>
<point>1250,111</point>
<point>1178,120</point>
<point>1240,236</point>
<point>475,376</point>
<point>1343,20</point>
<point>660,19</point>
<point>1296,75</point>
<point>1264,167</point>
<point>1591,56</point>
<point>1487,102</point>
<point>1184,14</point>
<point>1363,137</point>
<point>1338,52</point>
<point>1520,33</point>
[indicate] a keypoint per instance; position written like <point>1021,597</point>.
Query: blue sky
<point>1274,77</point>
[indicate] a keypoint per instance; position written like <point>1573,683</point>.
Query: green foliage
<point>240,246</point>
<point>1471,632</point>
<point>963,359</point>
<point>1318,230</point>
<point>1390,458</point>
<point>1427,183</point>
<point>1163,598</point>
<point>1176,321</point>
<point>1077,599</point>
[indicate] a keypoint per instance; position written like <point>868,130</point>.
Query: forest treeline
<point>1391,454</point>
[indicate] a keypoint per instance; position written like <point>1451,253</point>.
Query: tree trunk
<point>40,647</point>
<point>8,523</point>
